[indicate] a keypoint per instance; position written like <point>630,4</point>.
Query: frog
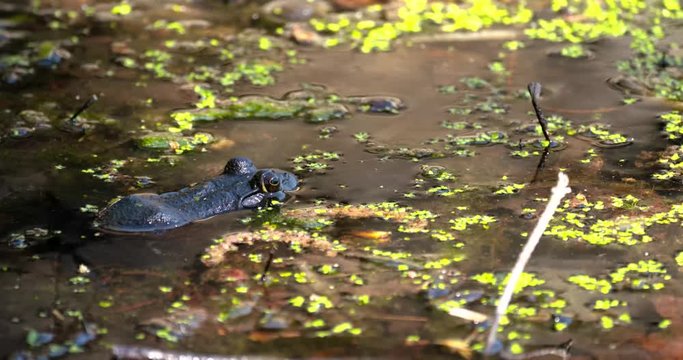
<point>240,186</point>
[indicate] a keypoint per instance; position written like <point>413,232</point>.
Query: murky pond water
<point>422,170</point>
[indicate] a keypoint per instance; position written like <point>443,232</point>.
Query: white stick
<point>559,191</point>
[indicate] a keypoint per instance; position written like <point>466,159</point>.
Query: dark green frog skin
<point>240,186</point>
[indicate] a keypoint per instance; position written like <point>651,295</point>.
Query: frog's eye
<point>270,182</point>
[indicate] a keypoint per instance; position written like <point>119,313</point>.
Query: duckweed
<point>664,324</point>
<point>581,222</point>
<point>313,103</point>
<point>464,222</point>
<point>313,304</point>
<point>641,276</point>
<point>123,8</point>
<point>461,125</point>
<point>370,33</point>
<point>591,284</point>
<point>650,271</point>
<point>317,161</point>
<point>174,142</point>
<point>484,138</point>
<point>257,73</point>
<point>437,173</point>
<point>672,161</point>
<point>497,280</point>
<point>606,304</point>
<point>361,137</point>
<point>597,20</point>
<point>673,124</point>
<point>509,189</point>
<point>604,136</point>
<point>574,51</point>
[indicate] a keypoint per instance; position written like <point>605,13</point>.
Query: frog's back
<point>213,197</point>
<point>141,213</point>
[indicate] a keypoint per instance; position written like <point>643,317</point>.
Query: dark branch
<point>535,92</point>
<point>267,267</point>
<point>88,103</point>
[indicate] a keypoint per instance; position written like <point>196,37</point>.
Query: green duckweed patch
<point>509,189</point>
<point>671,160</point>
<point>317,161</point>
<point>173,142</point>
<point>679,259</point>
<point>577,22</point>
<point>438,173</point>
<point>463,223</point>
<point>603,136</point>
<point>500,280</point>
<point>643,275</point>
<point>378,27</point>
<point>574,51</point>
<point>312,103</point>
<point>619,221</point>
<point>673,125</point>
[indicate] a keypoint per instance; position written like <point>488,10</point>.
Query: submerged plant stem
<point>558,192</point>
<point>88,103</point>
<point>145,353</point>
<point>535,91</point>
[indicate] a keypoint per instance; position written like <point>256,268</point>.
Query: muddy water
<point>42,184</point>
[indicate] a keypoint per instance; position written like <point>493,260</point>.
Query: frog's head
<point>273,181</point>
<point>269,184</point>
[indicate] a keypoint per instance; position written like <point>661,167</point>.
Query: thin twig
<point>541,163</point>
<point>269,262</point>
<point>559,191</point>
<point>535,92</point>
<point>88,103</point>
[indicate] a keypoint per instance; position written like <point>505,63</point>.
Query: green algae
<point>361,137</point>
<point>313,104</point>
<point>483,138</point>
<point>318,161</point>
<point>604,137</point>
<point>672,162</point>
<point>326,113</point>
<point>673,125</point>
<point>400,152</point>
<point>643,275</point>
<point>526,280</point>
<point>447,191</point>
<point>577,22</point>
<point>173,142</point>
<point>460,125</point>
<point>582,222</point>
<point>597,20</point>
<point>438,173</point>
<point>256,72</point>
<point>372,33</point>
<point>574,51</point>
<point>122,9</point>
<point>509,189</point>
<point>679,259</point>
<point>463,223</point>
<point>157,62</point>
<point>109,172</point>
<point>248,107</point>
